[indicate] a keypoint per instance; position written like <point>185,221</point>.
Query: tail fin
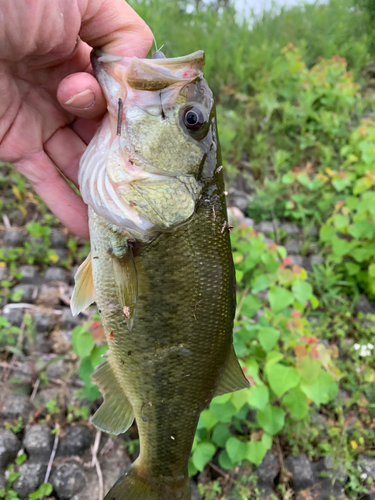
<point>134,486</point>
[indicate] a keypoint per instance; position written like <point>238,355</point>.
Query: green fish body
<point>164,282</point>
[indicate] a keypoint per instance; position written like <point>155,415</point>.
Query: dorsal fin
<point>83,293</point>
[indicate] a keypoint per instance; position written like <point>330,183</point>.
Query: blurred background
<point>294,85</point>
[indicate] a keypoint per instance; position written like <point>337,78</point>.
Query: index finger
<point>116,28</point>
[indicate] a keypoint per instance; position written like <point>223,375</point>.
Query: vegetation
<point>296,118</point>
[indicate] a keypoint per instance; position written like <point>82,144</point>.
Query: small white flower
<point>364,476</point>
<point>370,346</point>
<point>357,347</point>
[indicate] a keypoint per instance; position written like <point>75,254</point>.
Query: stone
<point>29,274</point>
<point>238,199</point>
<point>57,239</point>
<point>14,407</point>
<point>301,471</point>
<point>369,496</point>
<point>316,259</point>
<point>41,344</point>
<point>249,222</point>
<point>61,253</point>
<point>76,441</point>
<point>296,260</point>
<point>14,237</point>
<point>57,369</point>
<point>73,272</point>
<point>364,305</point>
<point>4,273</point>
<point>14,315</point>
<point>367,465</point>
<point>68,479</point>
<point>60,394</point>
<point>9,447</point>
<point>266,227</point>
<point>266,493</point>
<point>291,229</point>
<point>235,216</point>
<point>314,231</point>
<point>293,246</point>
<point>38,442</point>
<point>49,296</point>
<point>55,274</point>
<point>194,492</point>
<point>29,293</point>
<point>268,469</point>
<point>68,321</point>
<point>31,477</point>
<point>3,479</point>
<point>61,341</point>
<point>43,321</point>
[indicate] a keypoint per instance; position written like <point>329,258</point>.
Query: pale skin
<point>50,104</point>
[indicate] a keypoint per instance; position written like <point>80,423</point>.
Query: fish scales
<point>166,296</point>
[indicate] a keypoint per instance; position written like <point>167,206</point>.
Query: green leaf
<point>282,378</point>
<point>44,490</point>
<point>82,341</point>
<point>97,353</point>
<point>225,462</point>
<point>259,397</point>
<point>192,470</point>
<point>220,435</point>
<point>208,419</point>
<point>322,390</point>
<point>223,412</point>
<point>240,398</point>
<point>302,291</point>
<point>296,403</point>
<point>267,441</point>
<point>268,337</point>
<point>262,282</point>
<point>271,419</point>
<point>308,368</point>
<point>236,450</point>
<point>250,305</point>
<point>279,298</point>
<point>203,454</point>
<point>255,452</point>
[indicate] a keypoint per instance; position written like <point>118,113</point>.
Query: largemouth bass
<point>160,268</point>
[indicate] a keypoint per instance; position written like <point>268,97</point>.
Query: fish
<point>160,269</point>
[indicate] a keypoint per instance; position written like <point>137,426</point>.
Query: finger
<point>65,149</point>
<point>85,129</point>
<point>80,94</point>
<point>115,27</point>
<point>54,190</point>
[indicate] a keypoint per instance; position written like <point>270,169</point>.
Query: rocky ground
<point>40,398</point>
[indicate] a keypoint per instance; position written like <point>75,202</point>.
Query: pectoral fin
<point>126,283</point>
<point>83,293</point>
<point>233,378</point>
<point>115,415</point>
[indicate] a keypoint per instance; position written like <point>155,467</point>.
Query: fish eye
<point>194,119</point>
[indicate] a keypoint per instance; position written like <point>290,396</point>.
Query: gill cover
<point>141,170</point>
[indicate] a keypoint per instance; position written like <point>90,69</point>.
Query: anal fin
<point>83,293</point>
<point>115,415</point>
<point>233,378</point>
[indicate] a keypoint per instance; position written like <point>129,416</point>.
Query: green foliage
<point>289,370</point>
<point>15,428</point>
<point>90,356</point>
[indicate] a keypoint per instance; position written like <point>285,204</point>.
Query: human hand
<point>50,103</point>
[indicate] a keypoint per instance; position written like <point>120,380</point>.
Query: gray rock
<point>41,344</point>
<point>16,406</point>
<point>30,478</point>
<point>235,216</point>
<point>3,479</point>
<point>73,272</point>
<point>38,442</point>
<point>29,292</point>
<point>55,274</point>
<point>268,469</point>
<point>194,492</point>
<point>266,227</point>
<point>61,253</point>
<point>43,321</point>
<point>367,465</point>
<point>67,480</point>
<point>29,274</point>
<point>364,305</point>
<point>316,259</point>
<point>293,246</point>
<point>238,199</point>
<point>9,447</point>
<point>68,321</point>
<point>49,296</point>
<point>314,231</point>
<point>291,229</point>
<point>296,260</point>
<point>14,237</point>
<point>61,341</point>
<point>266,492</point>
<point>4,273</point>
<point>76,441</point>
<point>249,222</point>
<point>56,369</point>
<point>301,471</point>
<point>369,496</point>
<point>13,315</point>
<point>57,239</point>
